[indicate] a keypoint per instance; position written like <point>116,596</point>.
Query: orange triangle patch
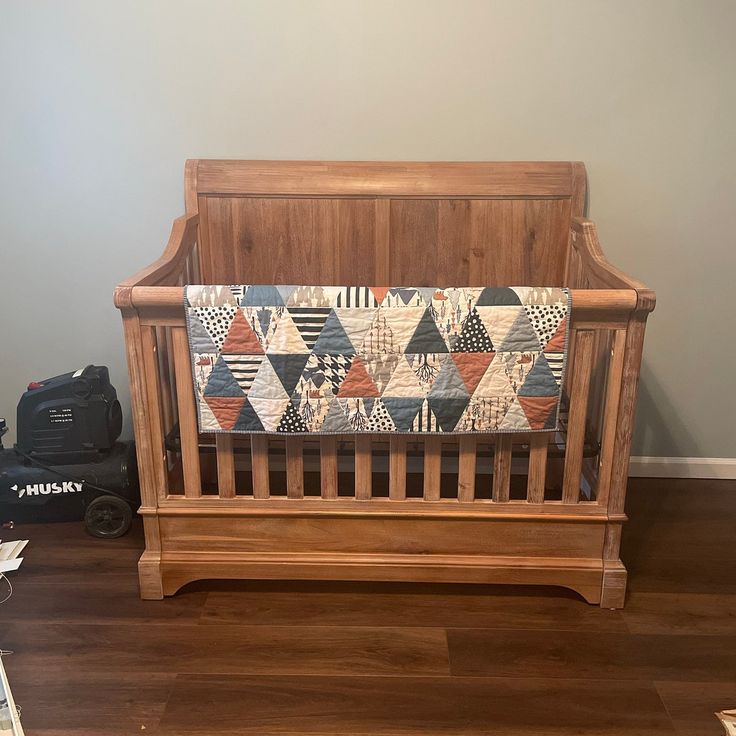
<point>241,340</point>
<point>556,344</point>
<point>226,409</point>
<point>379,292</point>
<point>472,367</point>
<point>357,384</point>
<point>538,410</point>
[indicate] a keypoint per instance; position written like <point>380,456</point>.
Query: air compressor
<point>68,462</point>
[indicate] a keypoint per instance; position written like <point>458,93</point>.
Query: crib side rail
<point>580,472</point>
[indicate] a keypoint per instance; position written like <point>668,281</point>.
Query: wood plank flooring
<point>389,659</point>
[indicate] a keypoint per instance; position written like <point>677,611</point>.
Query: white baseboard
<point>683,467</point>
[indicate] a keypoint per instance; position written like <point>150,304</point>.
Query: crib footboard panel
<point>371,547</point>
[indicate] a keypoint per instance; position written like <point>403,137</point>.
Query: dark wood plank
<point>680,613</point>
<point>420,706</point>
<point>691,705</point>
<point>67,702</point>
<point>90,601</point>
<point>583,654</point>
<point>64,553</point>
<point>230,649</point>
<point>387,604</point>
<point>680,536</point>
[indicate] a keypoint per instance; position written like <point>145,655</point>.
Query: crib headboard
<point>384,223</point>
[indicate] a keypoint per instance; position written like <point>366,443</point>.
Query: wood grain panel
<point>326,538</point>
<point>413,242</point>
<point>354,248</point>
<point>478,242</point>
<point>289,241</point>
<point>332,241</point>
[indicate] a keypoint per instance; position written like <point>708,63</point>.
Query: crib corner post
<point>150,581</point>
<point>614,572</point>
<point>613,587</point>
<point>633,347</point>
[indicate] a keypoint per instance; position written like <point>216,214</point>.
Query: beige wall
<point>101,102</point>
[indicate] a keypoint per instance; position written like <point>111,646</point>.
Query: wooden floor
<point>326,658</point>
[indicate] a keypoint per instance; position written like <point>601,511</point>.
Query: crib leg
<point>613,589</point>
<point>149,577</point>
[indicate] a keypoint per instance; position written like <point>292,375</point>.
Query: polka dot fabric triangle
<point>351,359</point>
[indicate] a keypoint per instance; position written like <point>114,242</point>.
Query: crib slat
<point>154,409</point>
<point>225,466</point>
<point>466,468</point>
<point>432,468</point>
<point>162,335</point>
<point>579,390</point>
<point>294,467</point>
<point>538,445</point>
<point>188,433</point>
<point>397,468</point>
<point>328,465</point>
<point>502,468</point>
<point>610,416</point>
<point>363,467</point>
<point>259,465</point>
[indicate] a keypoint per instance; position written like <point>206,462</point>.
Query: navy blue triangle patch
<point>222,382</point>
<point>540,381</point>
<point>426,337</point>
<point>498,297</point>
<point>447,411</point>
<point>288,368</point>
<point>402,410</point>
<point>248,420</point>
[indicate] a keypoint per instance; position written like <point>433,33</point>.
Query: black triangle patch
<point>291,421</point>
<point>474,337</point>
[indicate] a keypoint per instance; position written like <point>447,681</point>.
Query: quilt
<point>346,359</point>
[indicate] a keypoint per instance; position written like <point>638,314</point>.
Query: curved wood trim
<point>171,262</point>
<point>585,241</point>
<point>584,576</point>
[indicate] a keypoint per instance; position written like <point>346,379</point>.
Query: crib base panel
<point>459,551</point>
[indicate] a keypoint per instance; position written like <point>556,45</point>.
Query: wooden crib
<point>527,509</point>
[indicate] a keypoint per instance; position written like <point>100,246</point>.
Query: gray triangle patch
<point>521,338</point>
<point>336,421</point>
<point>333,339</point>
